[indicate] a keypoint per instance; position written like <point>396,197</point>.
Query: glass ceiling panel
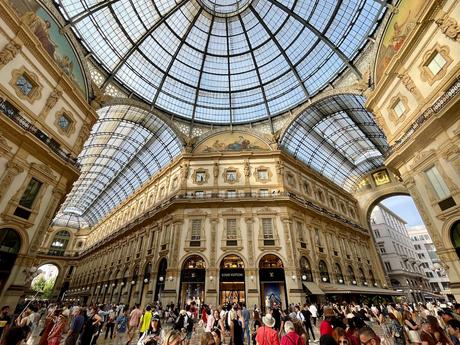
<point>126,147</point>
<point>338,138</point>
<point>223,61</point>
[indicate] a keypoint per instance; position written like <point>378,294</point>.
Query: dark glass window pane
<point>25,85</point>
<point>10,241</point>
<point>30,193</point>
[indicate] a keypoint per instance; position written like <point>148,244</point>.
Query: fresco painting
<point>398,29</point>
<point>232,142</point>
<point>56,45</point>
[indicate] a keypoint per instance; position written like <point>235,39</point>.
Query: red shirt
<point>267,336</point>
<point>291,338</point>
<point>325,328</point>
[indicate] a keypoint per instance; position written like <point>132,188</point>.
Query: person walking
<point>325,327</point>
<point>54,338</point>
<point>110,325</point>
<point>307,320</point>
<point>246,317</point>
<point>146,318</point>
<point>133,324</point>
<point>266,335</point>
<point>75,327</point>
<point>314,313</point>
<point>291,337</point>
<point>91,326</point>
<point>121,327</point>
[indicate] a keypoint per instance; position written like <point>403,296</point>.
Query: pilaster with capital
<point>213,244</point>
<point>289,240</point>
<point>177,235</point>
<point>12,170</point>
<point>53,204</point>
<point>250,238</point>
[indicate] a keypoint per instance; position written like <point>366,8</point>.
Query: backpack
<point>189,324</point>
<point>180,322</point>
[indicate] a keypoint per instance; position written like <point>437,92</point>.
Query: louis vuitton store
<point>231,280</point>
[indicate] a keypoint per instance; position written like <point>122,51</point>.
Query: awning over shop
<point>312,288</point>
<point>348,289</point>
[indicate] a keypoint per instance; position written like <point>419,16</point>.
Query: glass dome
<point>223,61</point>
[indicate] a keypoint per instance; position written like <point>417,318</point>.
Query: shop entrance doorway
<point>272,282</point>
<point>192,283</point>
<point>231,280</point>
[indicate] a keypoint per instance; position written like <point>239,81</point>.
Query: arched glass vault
<point>126,147</point>
<point>220,61</point>
<point>338,138</point>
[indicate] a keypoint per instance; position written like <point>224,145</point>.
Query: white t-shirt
<point>313,311</point>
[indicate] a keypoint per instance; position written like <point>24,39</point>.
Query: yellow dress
<point>145,321</point>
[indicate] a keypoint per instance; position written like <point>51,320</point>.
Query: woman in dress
<point>411,327</point>
<point>54,337</point>
<point>50,320</point>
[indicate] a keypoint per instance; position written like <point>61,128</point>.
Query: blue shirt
<point>122,320</point>
<point>77,324</point>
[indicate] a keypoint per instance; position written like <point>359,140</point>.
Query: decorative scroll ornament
<point>9,52</point>
<point>448,26</point>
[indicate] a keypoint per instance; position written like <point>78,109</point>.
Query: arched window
<point>338,273</point>
<point>10,242</point>
<point>59,244</point>
<point>270,261</point>
<point>306,269</point>
<point>194,262</point>
<point>232,261</point>
<point>323,272</point>
<point>351,275</point>
<point>455,237</point>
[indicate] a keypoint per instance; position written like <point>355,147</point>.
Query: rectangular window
<point>195,240</point>
<point>231,232</point>
<point>30,193</point>
<point>377,233</point>
<point>196,230</point>
<point>267,229</point>
<point>200,176</point>
<point>387,266</point>
<point>399,108</point>
<point>24,84</point>
<point>429,274</point>
<point>436,63</point>
<point>300,232</point>
<point>438,183</point>
<point>262,174</point>
<point>231,175</point>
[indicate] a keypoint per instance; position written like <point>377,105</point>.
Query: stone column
<point>12,170</point>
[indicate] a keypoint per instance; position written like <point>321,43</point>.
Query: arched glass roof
<point>338,138</point>
<point>126,147</point>
<point>223,61</point>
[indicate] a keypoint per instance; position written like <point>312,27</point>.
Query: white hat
<point>268,320</point>
<point>66,313</point>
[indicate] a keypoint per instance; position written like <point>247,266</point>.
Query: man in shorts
<point>133,324</point>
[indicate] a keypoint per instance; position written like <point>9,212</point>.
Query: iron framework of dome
<point>223,61</point>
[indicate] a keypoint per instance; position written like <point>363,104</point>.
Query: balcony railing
<point>10,111</point>
<point>237,197</point>
<point>440,103</point>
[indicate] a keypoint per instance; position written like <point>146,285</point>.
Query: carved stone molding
<point>51,102</point>
<point>5,149</point>
<point>448,26</point>
<point>9,52</point>
<point>11,171</point>
<point>409,84</point>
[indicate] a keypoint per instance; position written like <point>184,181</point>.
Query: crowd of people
<point>232,324</point>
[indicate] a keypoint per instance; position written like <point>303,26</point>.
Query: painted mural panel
<point>229,142</point>
<point>398,29</point>
<point>56,45</point>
